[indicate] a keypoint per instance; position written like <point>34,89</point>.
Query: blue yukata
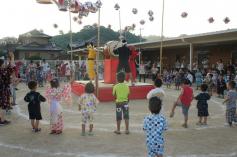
<point>154,127</point>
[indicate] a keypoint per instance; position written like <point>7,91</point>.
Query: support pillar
<point>191,57</point>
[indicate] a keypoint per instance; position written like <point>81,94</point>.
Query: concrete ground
<point>215,140</point>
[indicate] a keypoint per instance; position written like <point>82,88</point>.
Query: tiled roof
<point>38,47</point>
<point>35,33</point>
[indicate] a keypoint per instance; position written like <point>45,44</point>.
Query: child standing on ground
<point>55,95</point>
<point>202,105</point>
<point>34,98</point>
<point>184,100</point>
<point>154,127</point>
<point>121,92</point>
<point>230,101</point>
<point>87,106</point>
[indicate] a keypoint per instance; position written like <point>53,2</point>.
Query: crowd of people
<point>220,79</point>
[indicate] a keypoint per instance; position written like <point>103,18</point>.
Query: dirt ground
<point>215,140</point>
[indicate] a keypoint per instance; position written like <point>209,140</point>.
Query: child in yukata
<point>54,95</point>
<point>154,126</point>
<point>87,106</point>
<point>230,101</point>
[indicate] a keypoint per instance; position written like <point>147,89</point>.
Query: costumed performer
<point>54,96</point>
<point>124,53</point>
<point>91,60</point>
<point>132,63</point>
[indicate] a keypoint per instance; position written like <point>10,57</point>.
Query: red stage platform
<point>139,91</point>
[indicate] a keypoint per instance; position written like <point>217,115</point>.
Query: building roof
<point>197,39</point>
<point>38,47</point>
<point>81,44</point>
<point>35,33</point>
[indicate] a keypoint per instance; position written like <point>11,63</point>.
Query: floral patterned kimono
<point>5,81</point>
<point>54,96</point>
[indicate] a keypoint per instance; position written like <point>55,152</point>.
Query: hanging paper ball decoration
<point>116,7</point>
<point>142,22</point>
<point>98,4</point>
<point>134,11</point>
<point>55,25</point>
<point>75,19</point>
<point>151,18</point>
<point>184,14</point>
<point>211,20</point>
<point>150,13</point>
<point>226,20</point>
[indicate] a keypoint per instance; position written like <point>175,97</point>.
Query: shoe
<point>58,132</point>
<point>185,125</point>
<point>16,89</point>
<point>204,124</point>
<point>37,130</point>
<point>127,132</point>
<point>117,132</point>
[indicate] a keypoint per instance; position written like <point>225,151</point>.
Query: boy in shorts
<point>121,92</point>
<point>184,100</point>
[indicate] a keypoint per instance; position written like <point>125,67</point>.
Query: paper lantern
<point>44,1</point>
<point>80,16</point>
<point>211,20</point>
<point>116,7</point>
<point>184,14</point>
<point>151,18</point>
<point>94,8</point>
<point>133,26</point>
<point>134,11</point>
<point>226,20</point>
<point>150,13</point>
<point>55,25</point>
<point>142,22</point>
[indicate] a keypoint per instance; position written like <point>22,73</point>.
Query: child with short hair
<point>230,101</point>
<point>184,100</point>
<point>55,95</point>
<point>121,92</point>
<point>221,86</point>
<point>87,106</point>
<point>202,105</point>
<point>154,127</point>
<point>34,98</point>
<point>158,91</point>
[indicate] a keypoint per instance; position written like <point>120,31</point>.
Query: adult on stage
<point>91,61</point>
<point>132,63</point>
<point>124,53</point>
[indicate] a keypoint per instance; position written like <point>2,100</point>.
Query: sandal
<point>127,132</point>
<point>117,132</point>
<point>90,133</point>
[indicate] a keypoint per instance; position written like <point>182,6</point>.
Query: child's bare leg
<point>186,121</point>
<point>33,123</point>
<point>83,128</point>
<point>205,120</point>
<point>36,124</point>
<point>173,109</point>
<point>200,119</point>
<point>127,124</point>
<point>118,125</point>
<point>90,127</point>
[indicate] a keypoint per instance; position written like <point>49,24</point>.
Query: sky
<point>21,16</point>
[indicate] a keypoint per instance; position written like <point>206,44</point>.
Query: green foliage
<point>88,32</point>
